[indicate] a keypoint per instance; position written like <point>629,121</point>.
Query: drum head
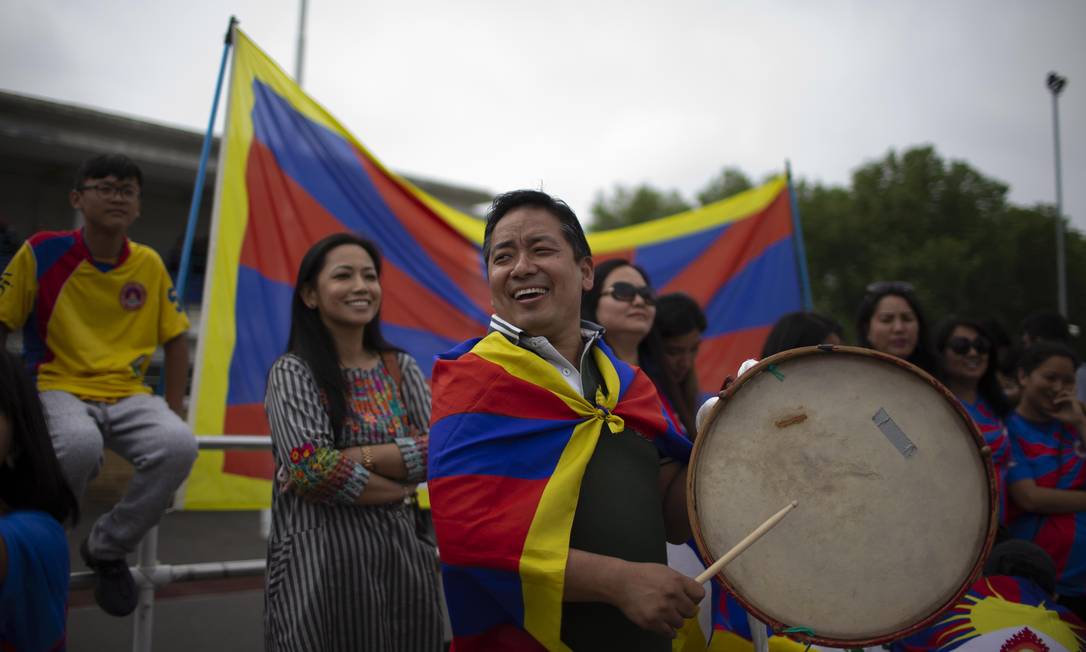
<point>896,494</point>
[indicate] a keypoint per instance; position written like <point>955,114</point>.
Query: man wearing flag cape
<point>555,476</point>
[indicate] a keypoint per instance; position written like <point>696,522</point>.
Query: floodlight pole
<point>299,54</point>
<point>1056,84</point>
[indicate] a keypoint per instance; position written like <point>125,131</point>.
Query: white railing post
<point>143,623</point>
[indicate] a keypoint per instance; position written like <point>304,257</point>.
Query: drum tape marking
<point>775,371</point>
<point>894,433</point>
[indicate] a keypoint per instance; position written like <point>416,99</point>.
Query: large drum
<point>896,491</point>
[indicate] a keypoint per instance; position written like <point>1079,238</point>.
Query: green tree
<point>943,226</point>
<point>626,206</point>
<point>730,181</point>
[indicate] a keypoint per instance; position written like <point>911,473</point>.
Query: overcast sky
<point>576,96</point>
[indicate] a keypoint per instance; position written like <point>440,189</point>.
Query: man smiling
<point>554,475</point>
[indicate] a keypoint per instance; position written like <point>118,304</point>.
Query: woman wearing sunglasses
<point>890,320</point>
<point>968,369</point>
<point>623,302</point>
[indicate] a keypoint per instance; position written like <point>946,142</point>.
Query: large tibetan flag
<point>737,258</point>
<point>509,444</point>
<point>290,174</point>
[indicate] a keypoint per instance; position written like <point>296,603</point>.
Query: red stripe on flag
<point>405,302</point>
<point>452,253</point>
<point>739,244</point>
<point>629,255</point>
<point>721,356</point>
<point>502,637</point>
<point>248,419</point>
<point>453,396</point>
<point>284,220</point>
<point>487,517</point>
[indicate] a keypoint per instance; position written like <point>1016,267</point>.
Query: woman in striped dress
<point>348,567</point>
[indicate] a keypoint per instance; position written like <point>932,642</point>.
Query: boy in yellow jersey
<point>93,307</point>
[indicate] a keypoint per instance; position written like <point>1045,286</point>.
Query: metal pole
<point>143,622</point>
<point>797,239</point>
<point>198,191</point>
<point>299,54</point>
<point>1056,84</point>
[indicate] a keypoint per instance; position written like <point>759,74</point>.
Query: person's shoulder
<point>292,364</point>
<point>144,254</point>
<point>407,361</point>
<point>32,525</point>
<point>51,242</point>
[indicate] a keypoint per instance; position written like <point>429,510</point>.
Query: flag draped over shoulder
<point>289,174</point>
<point>509,443</point>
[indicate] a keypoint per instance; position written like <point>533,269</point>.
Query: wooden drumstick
<point>719,564</point>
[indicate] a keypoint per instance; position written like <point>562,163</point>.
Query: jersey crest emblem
<point>133,296</point>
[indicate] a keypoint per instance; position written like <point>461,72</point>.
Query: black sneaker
<point>114,588</point>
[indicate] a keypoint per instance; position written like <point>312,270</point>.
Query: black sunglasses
<point>961,345</point>
<point>623,291</point>
<point>878,287</point>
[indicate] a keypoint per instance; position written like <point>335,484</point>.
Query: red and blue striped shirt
<point>1053,456</point>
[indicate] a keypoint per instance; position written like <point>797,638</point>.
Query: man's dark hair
<point>1049,326</point>
<point>104,165</point>
<point>505,202</point>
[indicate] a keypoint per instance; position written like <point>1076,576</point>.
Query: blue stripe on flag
<point>757,295</point>
<point>665,260</point>
<point>259,341</point>
<point>490,444</point>
<point>328,168</point>
<point>475,609</point>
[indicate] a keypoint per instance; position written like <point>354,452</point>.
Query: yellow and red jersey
<point>89,327</point>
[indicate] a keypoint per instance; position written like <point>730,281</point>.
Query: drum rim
<point>978,440</point>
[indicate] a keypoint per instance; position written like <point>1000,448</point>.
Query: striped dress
<point>343,576</point>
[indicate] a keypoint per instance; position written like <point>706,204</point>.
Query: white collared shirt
<point>542,347</point>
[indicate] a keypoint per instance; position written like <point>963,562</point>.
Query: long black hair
<point>988,386</point>
<point>650,352</point>
<point>921,355</point>
<point>30,477</point>
<point>798,329</point>
<point>309,337</point>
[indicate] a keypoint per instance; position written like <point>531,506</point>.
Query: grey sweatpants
<point>143,430</point>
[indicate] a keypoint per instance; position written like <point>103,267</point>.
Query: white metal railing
<point>149,574</point>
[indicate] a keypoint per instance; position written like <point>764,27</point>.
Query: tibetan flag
<point>509,443</point>
<point>290,174</point>
<point>1001,613</point>
<point>737,258</point>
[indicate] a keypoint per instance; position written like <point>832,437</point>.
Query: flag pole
<point>797,239</point>
<point>201,172</point>
<point>299,53</point>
